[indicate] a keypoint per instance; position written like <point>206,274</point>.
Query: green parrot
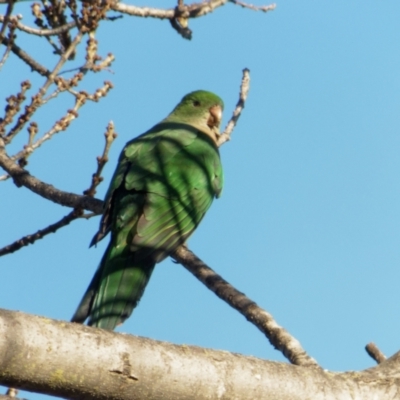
<point>165,181</point>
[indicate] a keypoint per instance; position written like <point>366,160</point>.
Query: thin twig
<point>22,177</point>
<point>25,57</point>
<point>375,353</point>
<point>244,90</point>
<point>39,13</point>
<point>61,125</point>
<point>39,32</point>
<point>63,59</point>
<point>5,21</point>
<point>56,18</point>
<point>13,106</point>
<point>6,54</point>
<point>110,136</point>
<point>277,336</point>
<point>6,18</point>
<point>30,239</point>
<point>99,93</point>
<point>270,7</point>
<point>37,99</point>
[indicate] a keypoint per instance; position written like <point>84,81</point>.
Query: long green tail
<point>115,289</point>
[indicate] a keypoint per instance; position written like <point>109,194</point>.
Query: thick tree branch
<point>278,336</point>
<point>79,362</point>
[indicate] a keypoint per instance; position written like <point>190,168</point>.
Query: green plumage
<point>163,185</point>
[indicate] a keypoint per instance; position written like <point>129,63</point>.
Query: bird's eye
<point>196,103</point>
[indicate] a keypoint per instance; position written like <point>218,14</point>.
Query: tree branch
<point>277,336</point>
<point>6,18</point>
<point>194,10</point>
<point>22,178</point>
<point>110,136</point>
<point>39,32</point>
<point>244,91</point>
<point>26,58</point>
<point>30,239</point>
<point>13,106</point>
<point>79,362</point>
<point>253,7</point>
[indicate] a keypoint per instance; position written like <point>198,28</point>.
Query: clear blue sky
<point>308,225</point>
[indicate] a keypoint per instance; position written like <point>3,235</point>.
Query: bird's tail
<point>115,289</point>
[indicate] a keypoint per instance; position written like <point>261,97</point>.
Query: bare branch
<point>61,125</point>
<point>143,11</point>
<point>39,32</point>
<point>6,53</point>
<point>99,93</point>
<point>37,99</point>
<point>22,177</point>
<point>13,106</point>
<point>270,7</point>
<point>54,11</point>
<point>63,59</point>
<point>48,11</point>
<point>375,353</point>
<point>194,10</point>
<point>244,90</point>
<point>110,136</point>
<point>93,59</point>
<point>80,362</point>
<point>11,36</point>
<point>277,336</point>
<point>26,58</point>
<point>30,239</point>
<point>6,18</point>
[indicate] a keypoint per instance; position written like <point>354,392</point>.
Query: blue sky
<point>308,225</point>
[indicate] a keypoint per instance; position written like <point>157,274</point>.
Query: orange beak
<point>215,116</point>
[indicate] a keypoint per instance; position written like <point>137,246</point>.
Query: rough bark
<point>79,362</point>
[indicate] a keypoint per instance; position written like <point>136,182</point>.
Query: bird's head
<point>202,110</point>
